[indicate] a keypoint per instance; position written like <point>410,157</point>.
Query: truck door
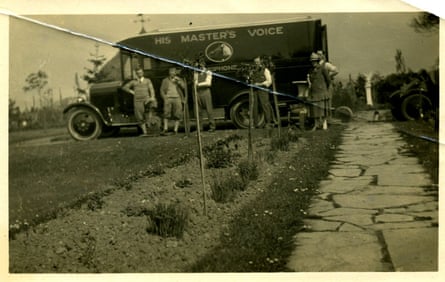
<point>324,41</point>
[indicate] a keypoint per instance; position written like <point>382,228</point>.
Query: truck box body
<point>288,42</point>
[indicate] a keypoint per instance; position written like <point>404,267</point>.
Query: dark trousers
<point>261,98</point>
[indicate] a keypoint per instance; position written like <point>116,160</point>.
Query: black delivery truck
<point>225,49</point>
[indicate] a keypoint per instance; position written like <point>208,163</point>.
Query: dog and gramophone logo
<point>219,51</point>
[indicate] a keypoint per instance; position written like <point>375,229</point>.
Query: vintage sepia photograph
<point>144,142</point>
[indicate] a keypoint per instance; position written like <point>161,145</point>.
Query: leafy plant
<point>248,170</point>
<point>280,143</point>
<point>155,170</point>
<point>224,187</point>
<point>168,220</point>
<point>95,202</point>
<point>87,246</point>
<point>222,154</point>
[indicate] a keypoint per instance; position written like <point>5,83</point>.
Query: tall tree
<point>425,22</point>
<point>94,74</point>
<point>400,62</point>
<point>36,81</point>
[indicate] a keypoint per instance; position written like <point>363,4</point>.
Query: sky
<point>358,42</point>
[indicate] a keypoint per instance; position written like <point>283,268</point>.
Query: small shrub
<point>168,220</point>
<point>183,183</point>
<point>281,143</point>
<point>88,248</point>
<point>95,202</point>
<point>222,153</point>
<point>123,184</point>
<point>183,159</point>
<point>293,133</point>
<point>248,170</point>
<point>224,188</point>
<point>153,171</point>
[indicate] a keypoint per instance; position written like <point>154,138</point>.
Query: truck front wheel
<point>84,124</point>
<point>239,114</point>
<point>416,106</point>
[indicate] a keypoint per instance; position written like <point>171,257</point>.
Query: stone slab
<point>355,219</point>
<point>336,251</point>
<point>413,249</point>
<point>346,227</point>
<point>348,211</point>
<point>393,217</point>
<point>432,216</point>
<point>421,207</point>
<point>400,225</point>
<point>394,190</point>
<point>321,225</point>
<point>341,185</point>
<point>403,168</point>
<point>378,201</point>
<point>345,172</point>
<point>391,177</point>
<point>318,205</point>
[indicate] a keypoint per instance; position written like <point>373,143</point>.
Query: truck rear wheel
<point>239,114</point>
<point>416,106</point>
<point>84,124</point>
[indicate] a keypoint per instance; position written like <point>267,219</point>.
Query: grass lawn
<point>423,142</point>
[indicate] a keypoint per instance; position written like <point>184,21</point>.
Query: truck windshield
<point>130,62</point>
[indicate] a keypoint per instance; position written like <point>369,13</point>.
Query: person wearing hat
<point>332,71</point>
<point>319,81</point>
<point>172,88</point>
<point>203,82</point>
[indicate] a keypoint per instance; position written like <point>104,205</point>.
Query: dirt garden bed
<point>252,231</point>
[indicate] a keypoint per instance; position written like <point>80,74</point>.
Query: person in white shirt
<point>203,81</point>
<point>261,77</point>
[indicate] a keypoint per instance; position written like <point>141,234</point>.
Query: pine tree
<point>94,74</point>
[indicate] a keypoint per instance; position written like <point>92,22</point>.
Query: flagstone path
<point>377,210</point>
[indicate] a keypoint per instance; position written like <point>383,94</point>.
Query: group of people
<point>172,92</point>
<point>173,88</point>
<point>320,88</point>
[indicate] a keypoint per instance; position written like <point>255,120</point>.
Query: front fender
<point>89,106</point>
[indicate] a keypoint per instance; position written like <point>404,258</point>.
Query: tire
<point>397,114</point>
<point>344,113</point>
<point>416,106</point>
<point>84,124</point>
<point>239,114</point>
<point>109,131</point>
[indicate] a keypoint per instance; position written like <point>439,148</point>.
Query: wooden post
<point>198,133</point>
<point>275,101</point>
<point>186,110</point>
<point>251,124</point>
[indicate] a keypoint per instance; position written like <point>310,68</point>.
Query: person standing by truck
<point>172,88</point>
<point>319,81</point>
<point>261,77</point>
<point>332,71</point>
<point>203,81</point>
<point>144,100</point>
